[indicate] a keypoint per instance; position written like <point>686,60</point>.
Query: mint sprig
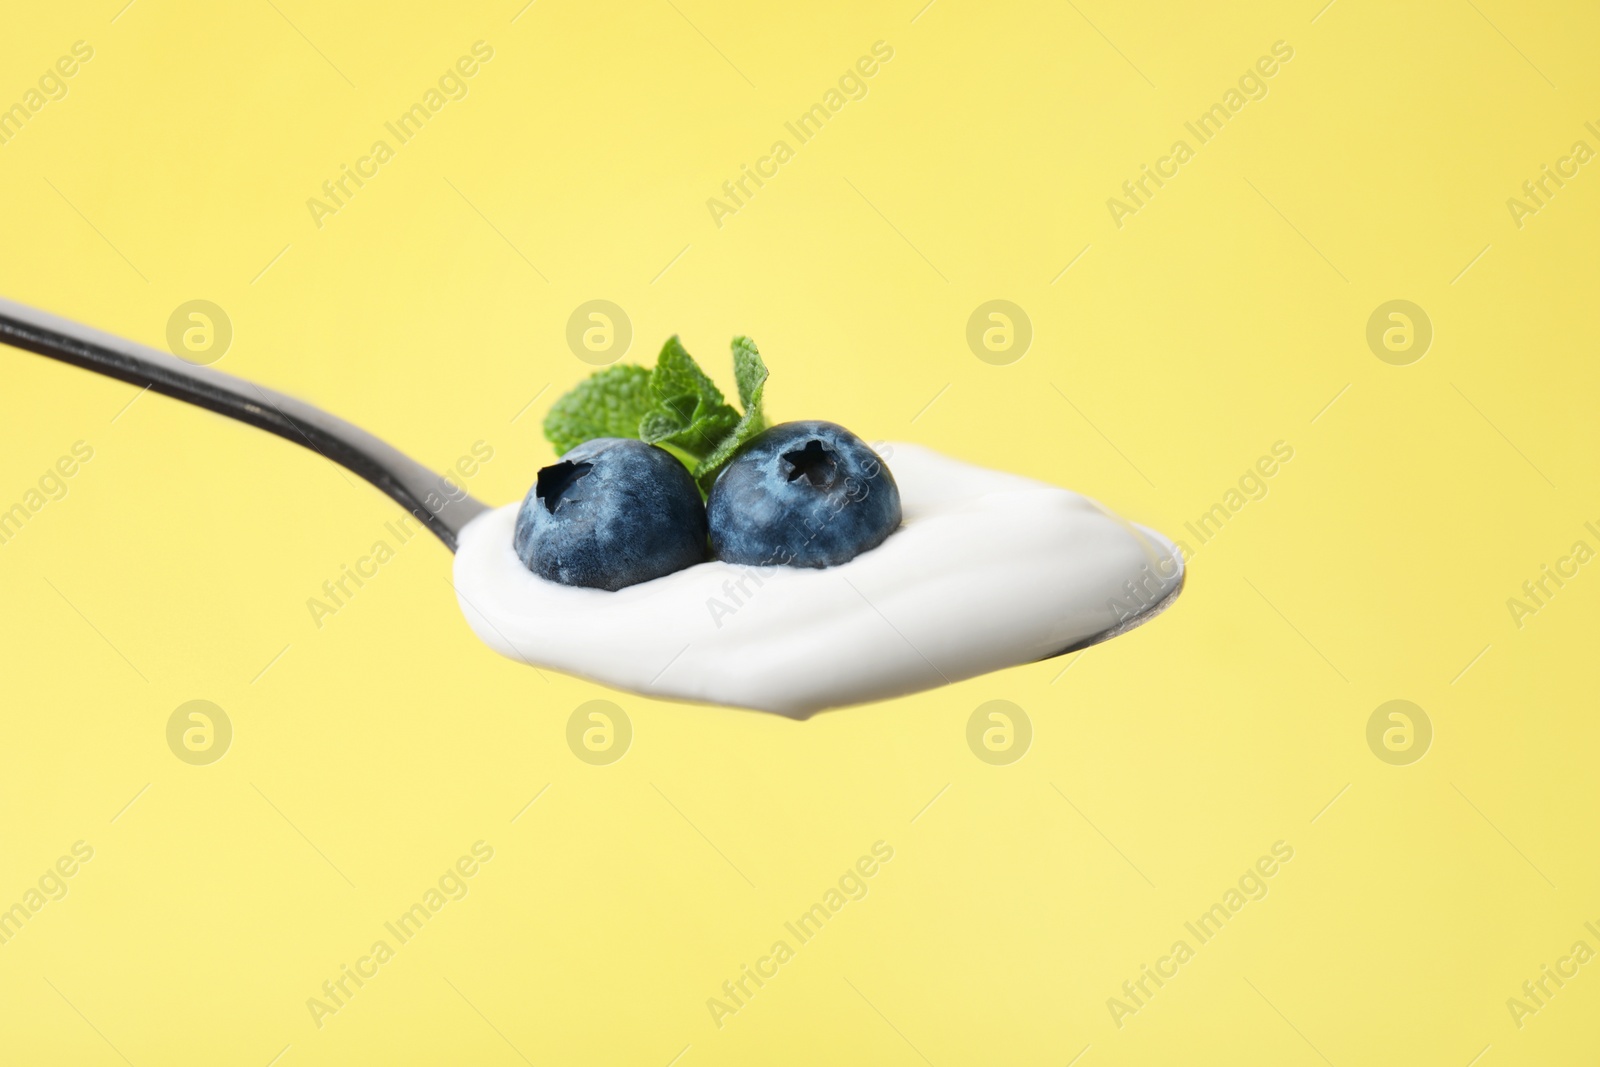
<point>676,405</point>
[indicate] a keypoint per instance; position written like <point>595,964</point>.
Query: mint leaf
<point>610,403</point>
<point>677,374</point>
<point>750,371</point>
<point>657,426</point>
<point>690,413</point>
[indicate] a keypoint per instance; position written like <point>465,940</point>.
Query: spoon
<point>443,507</point>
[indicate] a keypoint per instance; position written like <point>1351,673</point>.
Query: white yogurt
<point>988,570</point>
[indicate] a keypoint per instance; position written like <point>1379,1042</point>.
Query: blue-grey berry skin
<point>802,494</point>
<point>611,513</point>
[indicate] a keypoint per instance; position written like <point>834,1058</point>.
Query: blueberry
<point>803,494</point>
<point>611,513</point>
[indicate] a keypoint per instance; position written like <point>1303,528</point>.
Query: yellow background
<point>1223,317</point>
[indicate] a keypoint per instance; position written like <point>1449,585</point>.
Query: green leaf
<point>690,412</point>
<point>610,403</point>
<point>657,426</point>
<point>750,371</point>
<point>678,375</point>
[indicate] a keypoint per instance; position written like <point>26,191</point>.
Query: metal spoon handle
<point>443,507</point>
